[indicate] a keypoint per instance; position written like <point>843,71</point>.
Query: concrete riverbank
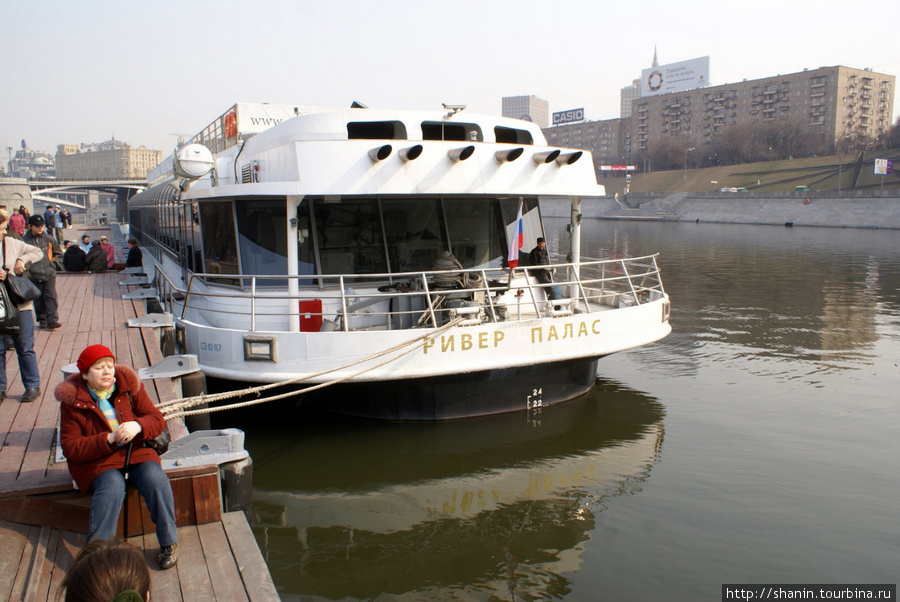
<point>840,210</point>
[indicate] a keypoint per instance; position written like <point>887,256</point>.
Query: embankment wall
<point>848,210</point>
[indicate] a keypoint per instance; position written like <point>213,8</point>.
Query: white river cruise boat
<point>379,250</point>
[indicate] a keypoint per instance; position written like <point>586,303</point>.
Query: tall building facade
<point>529,108</point>
<point>626,96</point>
<point>828,104</point>
<point>110,160</point>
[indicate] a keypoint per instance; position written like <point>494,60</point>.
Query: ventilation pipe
<point>545,157</point>
<point>509,155</point>
<point>380,153</point>
<point>569,158</point>
<point>461,154</point>
<point>411,153</point>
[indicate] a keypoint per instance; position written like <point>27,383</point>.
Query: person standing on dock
<point>105,417</point>
<point>16,257</point>
<point>135,258</point>
<point>43,272</point>
<point>17,222</point>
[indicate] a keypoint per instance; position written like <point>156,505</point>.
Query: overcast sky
<point>145,72</point>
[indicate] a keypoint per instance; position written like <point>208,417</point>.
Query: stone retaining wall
<point>852,210</point>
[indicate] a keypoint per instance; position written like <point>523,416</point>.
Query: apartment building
<point>829,104</point>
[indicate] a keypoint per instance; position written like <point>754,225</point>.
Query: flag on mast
<point>517,241</point>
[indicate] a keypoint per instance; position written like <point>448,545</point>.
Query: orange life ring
<point>230,124</point>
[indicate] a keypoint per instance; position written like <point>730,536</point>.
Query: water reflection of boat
<point>472,508</point>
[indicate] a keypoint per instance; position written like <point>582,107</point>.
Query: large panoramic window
<point>219,249</point>
<point>476,232</point>
<point>348,233</point>
<point>415,233</point>
<point>262,234</point>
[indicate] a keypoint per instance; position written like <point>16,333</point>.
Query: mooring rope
<point>177,408</point>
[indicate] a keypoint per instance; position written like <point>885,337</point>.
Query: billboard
<point>675,77</point>
<point>568,116</point>
<point>884,167</point>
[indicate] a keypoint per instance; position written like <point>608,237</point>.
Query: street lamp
<point>684,176</point>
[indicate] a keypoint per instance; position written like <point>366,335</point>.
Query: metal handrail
<point>596,278</point>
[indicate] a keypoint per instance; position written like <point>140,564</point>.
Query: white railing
<point>417,299</point>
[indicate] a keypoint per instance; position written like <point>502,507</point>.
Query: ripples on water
<point>816,306</point>
<point>756,443</point>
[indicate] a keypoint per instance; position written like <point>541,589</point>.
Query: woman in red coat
<point>105,416</point>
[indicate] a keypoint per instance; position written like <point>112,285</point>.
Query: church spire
<point>655,62</point>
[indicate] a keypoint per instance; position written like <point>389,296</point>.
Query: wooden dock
<point>43,518</point>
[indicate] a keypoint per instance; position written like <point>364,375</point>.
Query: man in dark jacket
<point>540,256</point>
<point>96,259</point>
<point>43,272</point>
<point>135,257</point>
<point>73,258</point>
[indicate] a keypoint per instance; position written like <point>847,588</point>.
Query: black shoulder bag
<point>20,289</point>
<point>160,443</point>
<point>9,313</point>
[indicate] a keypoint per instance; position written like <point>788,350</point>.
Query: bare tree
<point>667,154</point>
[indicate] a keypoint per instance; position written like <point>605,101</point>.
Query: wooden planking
<point>34,559</point>
<point>192,571</point>
<point>67,549</point>
<point>41,566</point>
<point>15,544</point>
<point>223,570</point>
<point>164,585</point>
<point>254,572</point>
<point>33,510</point>
<point>207,498</point>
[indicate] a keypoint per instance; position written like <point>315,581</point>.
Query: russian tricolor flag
<point>517,241</point>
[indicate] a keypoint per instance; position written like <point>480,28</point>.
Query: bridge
<point>76,193</point>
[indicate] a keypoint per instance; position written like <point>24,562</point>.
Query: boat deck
<point>43,518</point>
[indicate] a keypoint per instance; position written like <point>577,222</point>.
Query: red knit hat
<point>90,355</point>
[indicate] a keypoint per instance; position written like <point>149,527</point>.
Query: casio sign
<point>567,116</point>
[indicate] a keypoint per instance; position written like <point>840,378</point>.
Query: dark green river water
<point>758,443</point>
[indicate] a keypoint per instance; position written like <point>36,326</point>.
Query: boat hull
<point>448,397</point>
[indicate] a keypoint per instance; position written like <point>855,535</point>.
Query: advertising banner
<point>675,77</point>
<point>568,116</point>
<point>884,167</point>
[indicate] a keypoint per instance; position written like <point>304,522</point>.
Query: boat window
<point>219,248</point>
<point>349,237</point>
<point>262,235</point>
<point>476,231</point>
<point>376,130</point>
<point>415,233</point>
<point>506,135</point>
<point>441,130</point>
